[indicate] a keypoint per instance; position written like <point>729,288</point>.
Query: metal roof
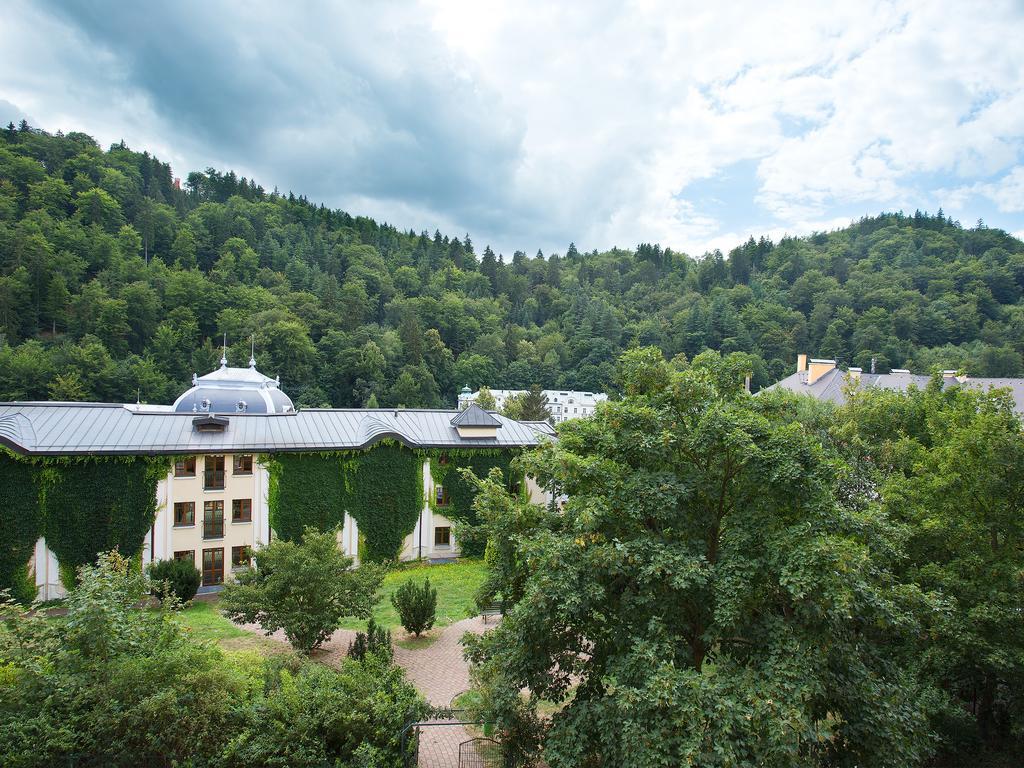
<point>831,386</point>
<point>234,390</point>
<point>474,416</point>
<point>58,429</point>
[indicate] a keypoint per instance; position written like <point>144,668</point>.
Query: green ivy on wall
<point>92,505</point>
<point>306,489</point>
<point>385,496</point>
<point>461,493</point>
<point>82,506</point>
<point>381,488</point>
<point>20,524</point>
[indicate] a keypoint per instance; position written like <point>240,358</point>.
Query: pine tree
<point>535,405</point>
<point>489,267</point>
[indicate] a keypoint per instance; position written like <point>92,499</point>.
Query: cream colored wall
<point>477,431</point>
<point>46,569</point>
<point>537,495</point>
<point>169,538</point>
<point>164,539</point>
<point>818,369</point>
<point>429,520</point>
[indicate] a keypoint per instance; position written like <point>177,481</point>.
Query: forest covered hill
<point>116,283</point>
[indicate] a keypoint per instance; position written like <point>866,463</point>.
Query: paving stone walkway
<point>438,671</point>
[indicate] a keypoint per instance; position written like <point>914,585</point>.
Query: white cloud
<point>530,123</point>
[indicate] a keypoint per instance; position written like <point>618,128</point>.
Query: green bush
<point>375,640</point>
<point>114,686</point>
<point>110,685</point>
<point>304,588</point>
<point>317,716</point>
<point>181,575</point>
<point>416,606</point>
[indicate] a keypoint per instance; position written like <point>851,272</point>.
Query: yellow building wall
<point>167,538</point>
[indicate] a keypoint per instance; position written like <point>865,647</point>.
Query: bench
<point>494,609</point>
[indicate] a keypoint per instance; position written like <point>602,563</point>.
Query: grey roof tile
<point>103,428</point>
<point>832,385</point>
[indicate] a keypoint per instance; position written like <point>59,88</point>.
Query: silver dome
<point>234,390</point>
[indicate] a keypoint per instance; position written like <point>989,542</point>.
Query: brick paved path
<point>438,671</point>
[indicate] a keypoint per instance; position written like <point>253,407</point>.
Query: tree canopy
<point>708,595</point>
<point>117,282</point>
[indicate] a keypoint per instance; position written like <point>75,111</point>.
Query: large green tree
<point>947,463</point>
<point>705,597</point>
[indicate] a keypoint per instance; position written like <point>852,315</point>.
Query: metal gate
<point>480,752</point>
<point>448,739</point>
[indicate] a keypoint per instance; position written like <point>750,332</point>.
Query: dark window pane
<point>213,567</point>
<point>184,513</point>
<point>241,511</point>
<point>213,476</point>
<point>213,520</point>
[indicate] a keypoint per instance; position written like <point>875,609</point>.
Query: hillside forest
<point>118,283</point>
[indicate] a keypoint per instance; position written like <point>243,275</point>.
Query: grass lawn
<point>456,583</point>
<point>204,621</point>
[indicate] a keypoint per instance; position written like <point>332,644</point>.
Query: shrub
<point>416,605</point>
<point>109,684</point>
<point>312,715</point>
<point>181,576</point>
<point>303,587</point>
<point>375,640</point>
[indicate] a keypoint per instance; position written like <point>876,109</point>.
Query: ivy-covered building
<point>228,466</point>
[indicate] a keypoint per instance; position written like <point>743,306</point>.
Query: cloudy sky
<point>533,124</point>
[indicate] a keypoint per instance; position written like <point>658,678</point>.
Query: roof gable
<point>475,416</point>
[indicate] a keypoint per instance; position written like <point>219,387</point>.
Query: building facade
<point>212,506</point>
<point>562,404</point>
<point>822,379</point>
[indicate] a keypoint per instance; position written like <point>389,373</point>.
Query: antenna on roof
<point>224,353</point>
<point>252,355</point>
<point>138,396</point>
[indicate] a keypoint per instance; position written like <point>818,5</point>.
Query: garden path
<point>438,671</point>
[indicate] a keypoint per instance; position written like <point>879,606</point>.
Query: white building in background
<point>563,404</point>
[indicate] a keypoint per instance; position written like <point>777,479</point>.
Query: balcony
<point>213,527</point>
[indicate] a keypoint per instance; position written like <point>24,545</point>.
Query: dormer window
<point>475,422</point>
<point>210,423</point>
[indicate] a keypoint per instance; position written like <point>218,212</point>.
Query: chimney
<point>855,373</point>
<point>801,363</point>
<point>819,368</point>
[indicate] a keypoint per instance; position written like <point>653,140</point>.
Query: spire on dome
<point>252,355</point>
<point>224,353</point>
